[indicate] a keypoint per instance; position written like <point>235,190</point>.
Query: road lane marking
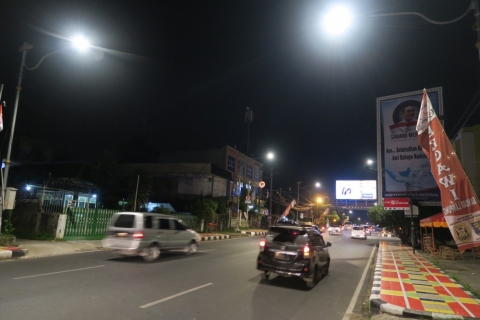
<point>49,274</point>
<point>174,296</point>
<point>359,287</point>
<point>206,250</point>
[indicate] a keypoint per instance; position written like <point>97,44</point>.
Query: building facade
<point>467,146</point>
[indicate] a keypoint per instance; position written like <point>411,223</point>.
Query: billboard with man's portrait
<point>405,168</point>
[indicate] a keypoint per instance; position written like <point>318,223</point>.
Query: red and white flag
<point>288,208</point>
<point>459,202</point>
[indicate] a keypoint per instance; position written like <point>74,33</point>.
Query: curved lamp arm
<point>471,7</point>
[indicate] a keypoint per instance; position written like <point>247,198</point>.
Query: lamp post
<point>79,43</point>
<point>271,196</point>
<point>319,200</point>
<point>270,156</point>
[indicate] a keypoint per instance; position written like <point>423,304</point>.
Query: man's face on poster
<point>408,113</point>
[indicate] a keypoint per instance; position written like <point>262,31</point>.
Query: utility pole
<point>270,200</point>
<point>298,198</point>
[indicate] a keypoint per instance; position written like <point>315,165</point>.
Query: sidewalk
<point>37,248</point>
<point>419,286</point>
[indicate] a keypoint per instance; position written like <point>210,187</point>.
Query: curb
<point>12,252</point>
<point>254,233</point>
<point>207,238</point>
<point>377,305</point>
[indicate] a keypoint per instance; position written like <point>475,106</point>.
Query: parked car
<point>294,251</point>
<point>148,234</point>
<point>358,232</point>
<point>335,229</point>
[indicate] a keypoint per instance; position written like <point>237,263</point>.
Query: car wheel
<point>327,269</point>
<point>313,282</point>
<point>265,275</point>
<point>151,253</point>
<point>192,248</point>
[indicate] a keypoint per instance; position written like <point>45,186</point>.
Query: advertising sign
<point>396,204</point>
<point>406,169</point>
<point>356,190</point>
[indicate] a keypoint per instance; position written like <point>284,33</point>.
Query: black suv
<point>294,251</point>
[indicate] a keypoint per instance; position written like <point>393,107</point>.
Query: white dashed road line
<point>174,296</point>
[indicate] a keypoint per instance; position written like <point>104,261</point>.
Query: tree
<point>390,219</point>
<point>205,209</point>
<point>103,172</point>
<point>162,210</point>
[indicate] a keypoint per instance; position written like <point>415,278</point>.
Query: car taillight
<point>306,251</point>
<point>262,245</point>
<point>137,235</point>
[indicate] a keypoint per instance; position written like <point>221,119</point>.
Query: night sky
<point>180,75</point>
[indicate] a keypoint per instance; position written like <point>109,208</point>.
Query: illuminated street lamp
<point>269,156</point>
<point>78,43</point>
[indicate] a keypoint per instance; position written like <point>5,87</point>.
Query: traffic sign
<point>261,184</point>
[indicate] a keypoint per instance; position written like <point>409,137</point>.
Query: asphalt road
<point>219,282</point>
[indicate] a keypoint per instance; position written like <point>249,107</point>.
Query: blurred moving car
<point>358,232</point>
<point>285,222</point>
<point>310,225</point>
<point>335,229</point>
<point>147,234</point>
<point>294,251</point>
<point>348,226</point>
<point>368,229</point>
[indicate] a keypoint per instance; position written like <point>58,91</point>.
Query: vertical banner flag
<point>459,201</point>
<point>287,209</point>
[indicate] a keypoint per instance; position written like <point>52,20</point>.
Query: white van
<point>358,232</point>
<point>148,234</point>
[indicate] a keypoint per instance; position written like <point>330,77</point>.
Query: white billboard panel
<point>356,189</point>
<point>404,170</point>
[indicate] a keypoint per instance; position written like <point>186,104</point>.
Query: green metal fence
<point>91,224</point>
<point>189,220</point>
<point>87,224</point>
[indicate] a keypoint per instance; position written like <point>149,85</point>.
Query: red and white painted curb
<point>12,252</point>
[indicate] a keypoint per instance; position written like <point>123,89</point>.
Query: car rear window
<point>358,228</point>
<point>124,221</point>
<point>287,235</point>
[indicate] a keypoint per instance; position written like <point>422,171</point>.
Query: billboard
<point>396,204</point>
<point>356,190</point>
<point>405,170</point>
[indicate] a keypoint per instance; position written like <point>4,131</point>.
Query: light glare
<point>337,20</point>
<point>81,43</point>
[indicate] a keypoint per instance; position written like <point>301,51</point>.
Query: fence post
<point>62,220</point>
<point>95,219</point>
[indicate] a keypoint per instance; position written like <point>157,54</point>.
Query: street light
<point>337,20</point>
<point>24,48</point>
<point>270,156</point>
